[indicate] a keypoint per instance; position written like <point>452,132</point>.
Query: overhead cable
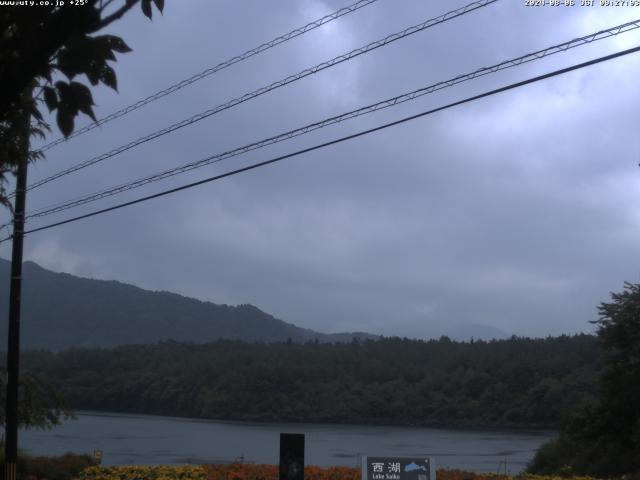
<point>336,141</point>
<point>390,102</point>
<point>210,71</point>
<point>261,91</point>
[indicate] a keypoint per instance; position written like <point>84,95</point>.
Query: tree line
<point>519,382</point>
<point>601,437</point>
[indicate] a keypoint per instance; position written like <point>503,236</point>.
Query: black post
<point>291,456</point>
<point>13,350</point>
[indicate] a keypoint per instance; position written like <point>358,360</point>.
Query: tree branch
<point>115,15</point>
<point>104,6</point>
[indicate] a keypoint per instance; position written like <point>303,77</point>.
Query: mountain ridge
<point>60,311</point>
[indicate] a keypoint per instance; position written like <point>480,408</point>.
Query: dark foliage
<point>603,437</point>
<point>64,467</point>
<point>39,404</point>
<point>43,51</point>
<point>516,382</point>
<point>40,41</point>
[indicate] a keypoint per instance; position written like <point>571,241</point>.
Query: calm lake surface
<point>147,440</point>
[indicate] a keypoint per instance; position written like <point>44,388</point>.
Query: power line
<point>338,140</point>
<point>280,83</point>
<point>210,71</point>
<point>562,47</point>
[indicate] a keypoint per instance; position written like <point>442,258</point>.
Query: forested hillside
<point>62,311</point>
<point>515,382</point>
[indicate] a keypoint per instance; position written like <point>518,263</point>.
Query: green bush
<point>65,467</point>
<point>552,457</point>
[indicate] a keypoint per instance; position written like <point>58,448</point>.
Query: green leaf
<point>63,67</point>
<point>83,99</point>
<point>101,49</point>
<point>63,91</point>
<point>87,110</point>
<point>159,4</point>
<point>89,56</point>
<point>108,77</point>
<point>38,132</point>
<point>81,93</point>
<point>117,44</point>
<point>65,121</point>
<point>35,113</point>
<point>50,98</point>
<point>67,97</point>
<point>93,74</point>
<point>76,56</point>
<point>146,8</point>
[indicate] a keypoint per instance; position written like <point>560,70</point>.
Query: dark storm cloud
<point>518,211</point>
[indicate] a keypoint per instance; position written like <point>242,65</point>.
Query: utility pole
<point>13,350</point>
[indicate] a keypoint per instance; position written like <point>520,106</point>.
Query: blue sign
<point>398,468</point>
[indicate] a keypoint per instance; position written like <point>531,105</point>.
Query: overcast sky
<point>520,211</point>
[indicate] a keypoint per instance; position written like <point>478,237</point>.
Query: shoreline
<point>471,427</point>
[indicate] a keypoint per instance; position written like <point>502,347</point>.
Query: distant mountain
<point>476,331</point>
<point>61,311</point>
<point>434,328</point>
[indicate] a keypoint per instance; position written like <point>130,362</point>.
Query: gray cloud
<point>518,211</point>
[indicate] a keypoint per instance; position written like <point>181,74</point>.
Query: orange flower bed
<point>244,471</point>
<point>270,472</point>
<point>238,471</point>
<point>248,471</point>
<point>465,475</point>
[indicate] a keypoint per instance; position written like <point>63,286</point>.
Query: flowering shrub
<point>465,475</point>
<point>143,473</point>
<point>237,471</point>
<point>64,467</point>
<point>270,472</point>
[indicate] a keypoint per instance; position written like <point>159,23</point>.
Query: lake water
<point>147,440</point>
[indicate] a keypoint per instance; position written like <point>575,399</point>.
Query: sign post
<point>398,468</point>
<point>291,456</point>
